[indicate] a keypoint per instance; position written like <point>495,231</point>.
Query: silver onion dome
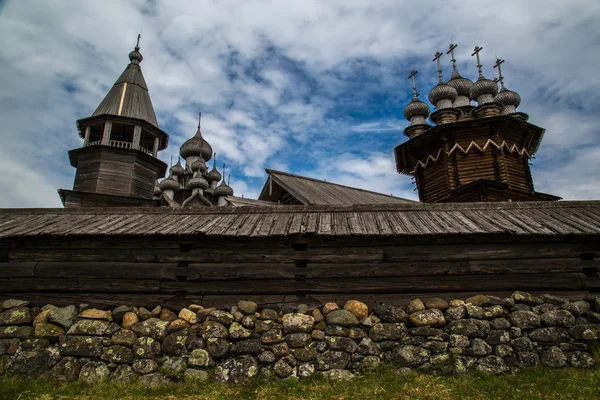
<point>169,184</point>
<point>196,146</point>
<point>442,95</point>
<point>416,109</point>
<point>463,87</point>
<point>509,99</point>
<point>483,90</point>
<point>197,182</point>
<point>223,190</point>
<point>214,175</point>
<point>135,56</point>
<point>177,169</point>
<point>199,165</point>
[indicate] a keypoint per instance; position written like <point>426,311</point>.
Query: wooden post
<point>155,149</point>
<point>106,133</point>
<point>86,138</point>
<point>137,135</point>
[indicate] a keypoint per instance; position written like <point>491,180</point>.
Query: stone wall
<point>481,333</point>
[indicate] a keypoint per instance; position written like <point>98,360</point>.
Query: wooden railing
<point>121,145</point>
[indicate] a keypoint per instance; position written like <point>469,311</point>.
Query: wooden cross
<point>437,58</point>
<point>451,51</point>
<point>476,53</point>
<point>497,65</point>
<point>414,85</point>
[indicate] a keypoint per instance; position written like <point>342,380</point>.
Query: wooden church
<point>128,235</point>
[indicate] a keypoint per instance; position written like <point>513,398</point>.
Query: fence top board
<point>409,219</point>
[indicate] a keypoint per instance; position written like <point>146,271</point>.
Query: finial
<point>137,45</point>
<point>476,52</point>
<point>414,85</point>
<point>223,171</point>
<point>199,118</point>
<point>500,77</point>
<point>229,180</point>
<point>214,160</point>
<point>451,51</point>
<point>437,58</point>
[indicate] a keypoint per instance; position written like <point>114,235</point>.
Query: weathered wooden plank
<point>16,285</point>
<point>106,270</point>
<point>17,270</point>
<point>531,266</point>
<point>96,285</point>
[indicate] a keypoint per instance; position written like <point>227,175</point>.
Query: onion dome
<point>196,146</point>
<point>197,182</point>
<point>177,169</point>
<point>509,99</point>
<point>199,165</point>
<point>223,190</point>
<point>416,111</point>
<point>463,87</point>
<point>483,90</point>
<point>169,184</point>
<point>442,95</point>
<point>214,175</point>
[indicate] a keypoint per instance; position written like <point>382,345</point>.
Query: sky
<point>312,87</point>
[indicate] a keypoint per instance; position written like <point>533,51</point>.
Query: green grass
<point>536,383</point>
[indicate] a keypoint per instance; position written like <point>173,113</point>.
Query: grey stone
<point>437,303</point>
<point>295,340</point>
<point>577,308</point>
<point>249,346</point>
<point>336,330</point>
<point>237,370</point>
<point>302,309</point>
<point>272,337</point>
<point>48,331</point>
<point>525,319</point>
<point>117,354</point>
<point>474,311</point>
<point>67,369</point>
<point>144,313</point>
<point>84,346</point>
<point>440,359</point>
<point>94,372</point>
<point>338,375</point>
<point>122,374</point>
<point>425,331</point>
<point>492,312</point>
<point>459,341</point>
<point>455,313</point>
<point>154,380</point>
<point>500,323</point>
<point>370,363</point>
<point>341,343</point>
<point>176,343</point>
<point>480,347</point>
<point>561,318</point>
<point>16,332</point>
<point>468,327</point>
<point>389,313</point>
<point>283,368</point>
<point>528,359</point>
<point>15,316</point>
<point>410,356</point>
<point>238,332</point>
<point>368,347</point>
<point>88,327</point>
<point>11,303</point>
<point>342,318</point>
<point>266,357</point>
<point>432,317</point>
<point>551,299</point>
<point>263,326</point>
<point>124,337</point>
<point>173,367</point>
<point>195,375</point>
<point>119,312</point>
<point>63,316</point>
<point>293,323</point>
<point>281,349</point>
<point>332,360</point>
<point>435,347</point>
<point>304,354</point>
<point>247,307</point>
<point>222,317</point>
<point>414,306</point>
<point>580,359</point>
<point>388,331</point>
<point>496,337</point>
<point>357,333</point>
<point>544,308</point>
<point>583,332</point>
<point>492,365</point>
<point>8,346</point>
<point>217,347</point>
<point>200,358</point>
<point>526,298</point>
<point>146,347</point>
<point>144,366</point>
<point>268,313</point>
<point>306,369</point>
<point>522,344</point>
<point>152,327</point>
<point>214,329</point>
<point>248,321</point>
<point>30,363</point>
<point>112,329</point>
<point>503,350</point>
<point>549,335</point>
<point>553,358</point>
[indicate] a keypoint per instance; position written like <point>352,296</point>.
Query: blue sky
<point>310,87</point>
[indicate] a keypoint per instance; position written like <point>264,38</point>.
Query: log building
<point>127,237</point>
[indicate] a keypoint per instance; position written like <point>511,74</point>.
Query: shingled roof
<point>297,189</point>
<point>410,219</point>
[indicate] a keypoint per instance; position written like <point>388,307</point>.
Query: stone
<point>88,327</point>
<point>156,311</point>
<point>435,346</point>
<point>526,298</point>
<point>283,369</point>
<point>295,340</point>
<point>248,321</point>
<point>583,332</point>
<point>176,343</point>
<point>338,375</point>
<point>522,344</point>
<point>593,317</point>
<point>154,379</point>
<point>478,300</point>
<point>117,354</point>
<point>341,343</point>
<point>200,358</point>
<point>437,303</point>
<point>167,315</point>
<point>471,328</point>
<point>83,346</point>
<point>152,327</point>
<point>503,350</point>
<point>63,316</point>
<point>188,316</point>
<point>119,312</point>
<point>528,359</point>
<point>500,323</point>
<point>178,325</point>
<point>30,363</point>
<point>145,366</point>
<point>67,369</point>
<point>238,370</point>
<point>553,357</point>
<point>317,315</point>
<point>48,331</point>
<point>214,329</point>
<point>562,318</point>
<point>456,303</point>
<point>11,303</point>
<point>122,374</point>
<point>389,313</point>
<point>480,347</point>
<point>329,307</point>
<point>238,332</point>
<point>320,326</point>
<point>280,349</point>
<point>93,313</point>
<point>195,375</point>
<point>15,316</point>
<point>268,313</point>
<point>492,312</point>
<point>247,307</point>
<point>577,308</point>
<point>173,367</point>
<point>525,319</point>
<point>580,359</point>
<point>551,299</point>
<point>440,359</point>
<point>414,306</point>
<point>266,357</point>
<point>549,335</point>
<point>455,313</point>
<point>459,341</point>
<point>332,360</point>
<point>359,309</point>
<point>496,337</point>
<point>217,347</point>
<point>388,331</point>
<point>544,308</point>
<point>16,332</point>
<point>317,335</point>
<point>222,317</point>
<point>147,347</point>
<point>263,326</point>
<point>342,318</point>
<point>304,354</point>
<point>124,337</point>
<point>492,365</point>
<point>250,346</point>
<point>521,307</point>
<point>431,317</point>
<point>293,323</point>
<point>410,356</point>
<point>336,330</point>
<point>8,346</point>
<point>357,334</point>
<point>474,311</point>
<point>94,372</point>
<point>129,320</point>
<point>144,313</point>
